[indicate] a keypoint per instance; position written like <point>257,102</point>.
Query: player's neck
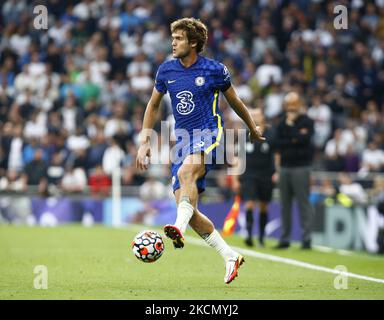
<point>189,59</point>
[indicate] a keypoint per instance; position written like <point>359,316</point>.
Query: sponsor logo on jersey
<point>186,104</point>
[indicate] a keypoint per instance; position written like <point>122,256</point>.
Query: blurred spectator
<point>74,180</point>
<point>327,188</point>
<point>139,65</point>
<point>352,189</point>
<point>96,150</point>
<point>262,43</point>
<point>55,170</point>
<point>35,172</point>
<point>117,123</point>
<point>269,72</point>
<point>36,127</point>
<point>12,9</point>
<point>70,113</point>
<point>274,102</point>
<point>372,158</point>
<point>152,189</point>
<point>321,115</point>
<point>13,181</point>
<point>99,182</point>
<point>78,141</point>
<point>352,160</point>
<point>335,151</point>
<point>20,41</point>
<point>113,156</point>
<point>99,68</point>
<point>15,151</point>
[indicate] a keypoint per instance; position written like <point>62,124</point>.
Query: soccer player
<point>194,82</point>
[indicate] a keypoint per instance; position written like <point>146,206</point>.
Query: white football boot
<point>231,268</point>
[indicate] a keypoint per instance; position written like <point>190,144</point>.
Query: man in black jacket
<point>293,142</point>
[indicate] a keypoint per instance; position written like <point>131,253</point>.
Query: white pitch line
<point>293,262</point>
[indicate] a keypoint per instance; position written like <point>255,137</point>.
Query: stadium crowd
<point>72,97</point>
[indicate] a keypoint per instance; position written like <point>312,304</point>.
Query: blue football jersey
<point>194,92</point>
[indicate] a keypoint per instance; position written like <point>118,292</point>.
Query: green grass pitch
<point>97,263</point>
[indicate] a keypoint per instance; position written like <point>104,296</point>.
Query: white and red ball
<point>148,246</point>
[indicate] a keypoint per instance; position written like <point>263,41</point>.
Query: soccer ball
<point>148,246</point>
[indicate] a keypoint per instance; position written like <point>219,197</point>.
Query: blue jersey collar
<point>193,64</point>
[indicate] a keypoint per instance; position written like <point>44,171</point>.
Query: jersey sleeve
<point>223,78</point>
<point>160,81</point>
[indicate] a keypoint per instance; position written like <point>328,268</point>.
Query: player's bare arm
<point>144,152</point>
<point>242,111</point>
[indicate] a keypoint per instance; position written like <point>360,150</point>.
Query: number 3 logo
<point>186,104</point>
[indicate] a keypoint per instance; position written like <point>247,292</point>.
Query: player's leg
<point>264,187</point>
<point>204,227</point>
<point>187,175</point>
<point>249,207</point>
<point>248,194</point>
<point>286,196</point>
<point>301,188</point>
<point>263,220</point>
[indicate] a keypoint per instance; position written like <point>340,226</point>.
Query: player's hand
<point>143,156</point>
<point>256,135</point>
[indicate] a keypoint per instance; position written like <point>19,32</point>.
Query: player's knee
<point>187,174</point>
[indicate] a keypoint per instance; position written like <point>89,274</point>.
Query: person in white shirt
<point>273,102</point>
<point>36,67</point>
<point>321,114</point>
<point>20,41</point>
<point>335,146</point>
<point>372,158</point>
<point>113,156</point>
<point>79,141</point>
<point>69,113</point>
<point>74,180</point>
<point>15,158</point>
<point>268,72</point>
<point>117,124</point>
<point>262,43</point>
<point>36,127</point>
<point>99,68</point>
<point>139,65</point>
<point>352,189</point>
<point>24,80</point>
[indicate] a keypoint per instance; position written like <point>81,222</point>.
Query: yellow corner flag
<point>231,218</point>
